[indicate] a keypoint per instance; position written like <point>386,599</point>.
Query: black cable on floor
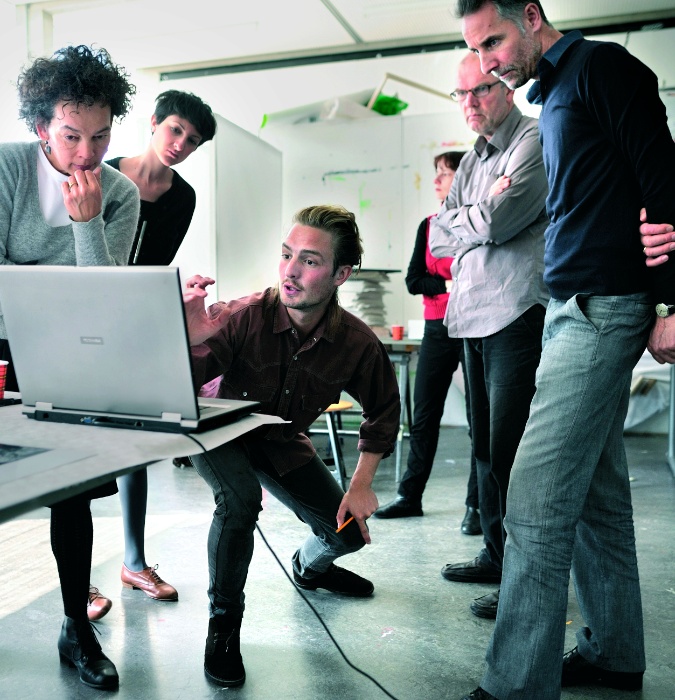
<point>301,594</point>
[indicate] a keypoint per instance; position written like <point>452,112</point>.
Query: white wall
<point>245,98</point>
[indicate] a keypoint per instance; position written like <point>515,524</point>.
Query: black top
<point>166,222</point>
<point>607,152</point>
<point>419,280</point>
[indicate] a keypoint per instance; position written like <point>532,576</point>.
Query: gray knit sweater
<point>26,238</point>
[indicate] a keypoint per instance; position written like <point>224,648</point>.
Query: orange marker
<point>344,524</point>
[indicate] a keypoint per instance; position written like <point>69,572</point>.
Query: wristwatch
<point>665,310</point>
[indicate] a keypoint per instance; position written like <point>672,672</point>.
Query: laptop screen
<point>104,339</point>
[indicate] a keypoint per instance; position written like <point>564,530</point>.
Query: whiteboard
<point>248,206</point>
<point>380,169</point>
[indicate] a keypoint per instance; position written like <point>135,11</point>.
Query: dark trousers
<point>236,473</point>
<point>501,371</point>
<point>438,359</point>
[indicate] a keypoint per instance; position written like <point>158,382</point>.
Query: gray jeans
<point>569,505</point>
<point>236,474</point>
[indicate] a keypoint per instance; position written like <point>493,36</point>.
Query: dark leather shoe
<point>97,605</point>
<point>337,580</point>
<point>150,582</point>
<point>479,694</point>
<point>471,572</point>
<point>577,671</point>
<point>471,522</point>
<point>486,605</point>
<point>400,508</point>
<point>79,648</point>
<point>222,656</point>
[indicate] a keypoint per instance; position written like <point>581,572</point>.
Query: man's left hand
<point>658,240</point>
<point>662,340</point>
<point>361,502</point>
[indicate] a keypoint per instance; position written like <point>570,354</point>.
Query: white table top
<point>90,455</point>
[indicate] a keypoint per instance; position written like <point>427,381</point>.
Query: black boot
<point>222,658</point>
<point>79,648</point>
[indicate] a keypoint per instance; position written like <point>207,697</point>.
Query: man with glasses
<point>493,223</point>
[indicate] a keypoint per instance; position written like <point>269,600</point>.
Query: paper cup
<point>397,332</point>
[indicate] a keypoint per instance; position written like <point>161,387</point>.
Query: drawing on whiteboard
<point>340,175</point>
<point>347,177</point>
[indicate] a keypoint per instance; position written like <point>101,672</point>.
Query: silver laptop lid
<point>107,339</point>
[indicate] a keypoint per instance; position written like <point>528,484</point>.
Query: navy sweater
<point>607,153</point>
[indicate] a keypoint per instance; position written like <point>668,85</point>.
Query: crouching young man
<point>294,349</point>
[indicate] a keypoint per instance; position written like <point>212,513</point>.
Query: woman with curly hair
<point>61,205</point>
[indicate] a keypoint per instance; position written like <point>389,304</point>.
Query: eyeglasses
<point>443,174</point>
<point>478,91</point>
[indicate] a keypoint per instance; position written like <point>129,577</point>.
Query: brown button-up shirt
<point>257,355</point>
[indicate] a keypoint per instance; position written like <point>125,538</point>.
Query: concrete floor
<point>415,636</point>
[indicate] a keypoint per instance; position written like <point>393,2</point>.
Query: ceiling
<point>174,34</point>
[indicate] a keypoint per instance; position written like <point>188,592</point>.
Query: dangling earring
<point>48,148</point>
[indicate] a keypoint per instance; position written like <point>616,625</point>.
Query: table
<point>400,353</point>
<point>99,455</point>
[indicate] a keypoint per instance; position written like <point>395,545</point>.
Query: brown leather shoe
<point>97,605</point>
<point>149,582</point>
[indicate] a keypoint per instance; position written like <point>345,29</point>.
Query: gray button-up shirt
<point>497,242</point>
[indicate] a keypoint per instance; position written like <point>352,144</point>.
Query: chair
<point>334,429</point>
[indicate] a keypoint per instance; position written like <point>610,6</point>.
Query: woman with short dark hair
<point>180,124</point>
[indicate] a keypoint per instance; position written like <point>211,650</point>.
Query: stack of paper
<point>363,295</point>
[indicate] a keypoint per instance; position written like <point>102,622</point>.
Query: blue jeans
<point>438,359</point>
<point>569,505</point>
<point>501,369</point>
<point>235,472</point>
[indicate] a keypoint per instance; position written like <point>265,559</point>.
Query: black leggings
<point>72,536</point>
<point>71,530</point>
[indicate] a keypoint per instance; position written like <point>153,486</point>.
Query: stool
<point>334,425</point>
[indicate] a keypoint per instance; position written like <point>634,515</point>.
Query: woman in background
<point>59,205</point>
<point>180,123</point>
<point>439,357</point>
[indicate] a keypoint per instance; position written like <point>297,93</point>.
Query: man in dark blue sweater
<point>607,154</point>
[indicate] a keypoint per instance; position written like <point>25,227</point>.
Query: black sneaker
<point>400,508</point>
<point>336,580</point>
<point>577,671</point>
<point>222,657</point>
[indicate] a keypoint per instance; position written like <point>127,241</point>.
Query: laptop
<point>106,346</point>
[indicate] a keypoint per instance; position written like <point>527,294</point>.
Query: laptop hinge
<point>43,406</point>
<point>172,417</point>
